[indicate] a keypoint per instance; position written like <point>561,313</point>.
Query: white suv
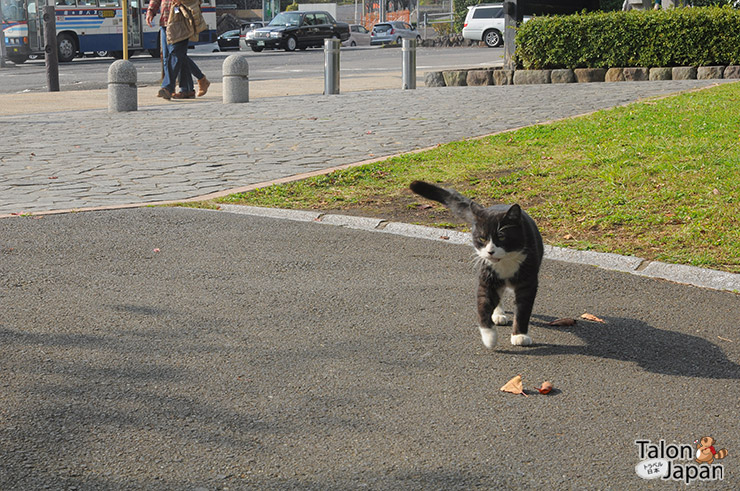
<point>485,22</point>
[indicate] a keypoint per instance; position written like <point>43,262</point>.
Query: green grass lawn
<point>659,179</point>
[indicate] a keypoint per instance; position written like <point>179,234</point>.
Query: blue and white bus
<point>87,26</point>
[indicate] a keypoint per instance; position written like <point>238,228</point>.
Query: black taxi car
<point>301,30</point>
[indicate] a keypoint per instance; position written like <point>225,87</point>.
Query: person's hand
<point>150,18</point>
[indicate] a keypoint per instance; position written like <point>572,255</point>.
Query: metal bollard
<point>122,92</point>
<point>408,48</point>
<point>331,66</point>
<point>236,79</point>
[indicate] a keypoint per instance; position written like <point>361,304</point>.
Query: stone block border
<point>499,76</point>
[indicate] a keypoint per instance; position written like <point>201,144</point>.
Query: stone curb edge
<point>677,273</point>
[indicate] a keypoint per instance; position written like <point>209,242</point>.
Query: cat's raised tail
<point>458,204</point>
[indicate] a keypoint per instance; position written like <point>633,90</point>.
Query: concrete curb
<point>677,273</point>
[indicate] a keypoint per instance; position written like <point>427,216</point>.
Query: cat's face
<point>497,236</point>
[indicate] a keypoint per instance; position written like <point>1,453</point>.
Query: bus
<point>87,26</point>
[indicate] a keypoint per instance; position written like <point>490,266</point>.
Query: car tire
<point>492,38</point>
<point>256,49</point>
<point>353,44</point>
<point>67,47</point>
<point>418,40</point>
<point>398,40</point>
<point>291,43</point>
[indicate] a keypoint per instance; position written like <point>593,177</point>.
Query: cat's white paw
<point>521,340</point>
<point>488,336</point>
<point>499,317</point>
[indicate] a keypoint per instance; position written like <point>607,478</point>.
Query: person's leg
<point>168,81</point>
<point>186,79</point>
<point>178,57</point>
<point>203,82</point>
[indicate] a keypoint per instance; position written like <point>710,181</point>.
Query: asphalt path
<point>278,66</point>
<point>169,348</point>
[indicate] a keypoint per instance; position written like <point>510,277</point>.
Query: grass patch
<point>658,179</point>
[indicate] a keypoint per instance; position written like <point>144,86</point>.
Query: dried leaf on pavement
<point>514,386</point>
<point>545,388</point>
<point>592,318</point>
<point>565,321</point>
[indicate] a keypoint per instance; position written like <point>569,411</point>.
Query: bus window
<point>65,2</point>
<point>91,3</point>
<point>111,3</point>
<point>13,11</point>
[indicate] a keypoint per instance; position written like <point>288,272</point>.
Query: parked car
<point>291,30</point>
<point>359,36</point>
<point>485,22</point>
<point>251,26</point>
<point>228,40</point>
<point>393,32</point>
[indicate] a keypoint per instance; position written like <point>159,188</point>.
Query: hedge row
<point>662,38</point>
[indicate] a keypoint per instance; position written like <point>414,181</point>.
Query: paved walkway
<point>62,159</point>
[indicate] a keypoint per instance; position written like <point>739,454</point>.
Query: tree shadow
<point>655,350</point>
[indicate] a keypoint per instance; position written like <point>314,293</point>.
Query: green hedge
<point>663,38</point>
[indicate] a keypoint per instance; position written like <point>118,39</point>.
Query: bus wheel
<point>67,47</point>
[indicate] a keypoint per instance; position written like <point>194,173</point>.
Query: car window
<point>322,19</point>
<point>286,19</point>
<point>489,13</point>
<point>362,29</point>
<point>382,28</point>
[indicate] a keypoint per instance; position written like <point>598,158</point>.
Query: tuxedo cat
<point>509,252</point>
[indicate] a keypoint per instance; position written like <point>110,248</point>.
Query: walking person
<point>175,56</point>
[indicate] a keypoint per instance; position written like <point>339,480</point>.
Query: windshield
<point>13,11</point>
<point>286,19</point>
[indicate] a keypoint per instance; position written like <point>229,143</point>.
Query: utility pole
<point>2,39</point>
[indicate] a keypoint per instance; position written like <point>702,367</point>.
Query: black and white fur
<point>509,252</point>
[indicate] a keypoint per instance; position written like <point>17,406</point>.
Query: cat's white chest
<point>508,265</point>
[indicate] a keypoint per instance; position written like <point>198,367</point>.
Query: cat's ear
<point>514,214</point>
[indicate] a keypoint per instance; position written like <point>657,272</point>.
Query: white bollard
<point>122,93</point>
<point>236,79</point>
<point>408,70</point>
<point>331,66</point>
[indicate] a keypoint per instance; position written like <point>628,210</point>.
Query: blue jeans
<point>175,58</point>
<point>186,71</point>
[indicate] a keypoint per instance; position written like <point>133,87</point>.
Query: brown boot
<point>203,85</point>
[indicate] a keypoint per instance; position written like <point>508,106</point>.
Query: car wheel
<point>67,47</point>
<point>256,49</point>
<point>33,56</point>
<point>102,54</point>
<point>291,43</point>
<point>492,38</point>
<point>418,40</point>
<point>353,43</point>
<point>398,40</point>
